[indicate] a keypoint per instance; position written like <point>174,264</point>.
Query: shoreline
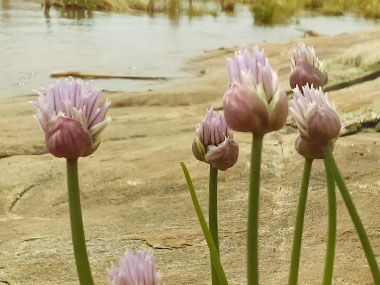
<point>134,194</point>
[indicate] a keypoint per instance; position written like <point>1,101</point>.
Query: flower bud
<point>252,112</point>
<point>305,73</point>
<point>323,123</point>
<point>224,155</point>
<point>307,68</point>
<point>214,142</point>
<point>67,138</point>
<point>135,269</point>
<point>316,119</point>
<point>69,114</point>
<point>255,101</point>
<point>309,149</point>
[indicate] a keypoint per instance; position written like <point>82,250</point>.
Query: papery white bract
<point>139,269</point>
<point>73,100</point>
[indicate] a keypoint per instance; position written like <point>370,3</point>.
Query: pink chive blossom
<point>306,68</point>
<point>69,114</point>
<point>136,269</point>
<point>214,142</point>
<point>254,102</point>
<point>316,119</point>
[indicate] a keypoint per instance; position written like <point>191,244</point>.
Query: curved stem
<point>206,232</point>
<point>355,217</point>
<point>77,233</point>
<point>297,240</point>
<point>253,213</point>
<point>213,216</point>
<point>330,251</point>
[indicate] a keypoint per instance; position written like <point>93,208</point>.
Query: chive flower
<point>69,114</point>
<point>214,142</point>
<point>317,121</point>
<point>307,68</point>
<point>139,269</point>
<point>254,102</point>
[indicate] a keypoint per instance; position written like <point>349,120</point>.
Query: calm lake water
<point>34,44</point>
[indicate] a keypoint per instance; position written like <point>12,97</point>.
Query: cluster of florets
<point>254,101</point>
<point>214,142</point>
<point>69,114</point>
<point>316,119</point>
<point>307,68</point>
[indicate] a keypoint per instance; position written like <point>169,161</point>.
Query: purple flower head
<point>255,101</point>
<point>307,68</point>
<point>138,269</point>
<point>306,54</point>
<point>214,142</point>
<point>316,119</point>
<point>69,114</point>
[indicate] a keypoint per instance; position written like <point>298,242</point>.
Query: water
<point>34,43</point>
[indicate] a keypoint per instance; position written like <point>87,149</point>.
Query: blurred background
<point>151,37</point>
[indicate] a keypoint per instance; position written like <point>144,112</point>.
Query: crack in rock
<point>183,245</point>
<point>6,155</point>
<point>32,239</point>
<point>19,196</point>
<point>361,120</point>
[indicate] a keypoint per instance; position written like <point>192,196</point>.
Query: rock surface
<point>134,194</point>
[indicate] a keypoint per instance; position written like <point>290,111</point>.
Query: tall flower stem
<point>331,240</point>
<point>253,213</point>
<point>77,233</point>
<point>213,216</point>
<point>297,240</point>
<point>206,232</point>
<point>355,217</point>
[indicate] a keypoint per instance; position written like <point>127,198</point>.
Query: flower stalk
<point>298,230</point>
<point>213,216</point>
<point>331,240</point>
<point>253,213</point>
<point>354,216</point>
<point>254,102</point>
<point>206,232</point>
<point>77,233</point>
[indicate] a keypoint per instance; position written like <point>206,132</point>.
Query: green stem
<point>297,240</point>
<point>77,234</point>
<point>253,213</point>
<point>330,251</point>
<point>355,217</point>
<point>213,216</point>
<point>206,232</point>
